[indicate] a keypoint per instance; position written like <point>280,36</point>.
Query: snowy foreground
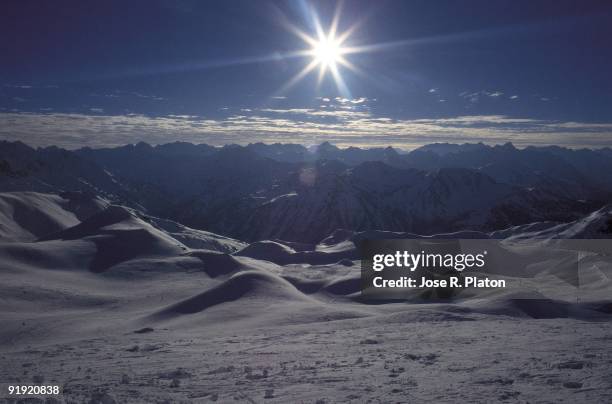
<point>119,307</point>
<point>423,355</point>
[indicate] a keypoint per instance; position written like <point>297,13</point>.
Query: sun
<point>327,52</point>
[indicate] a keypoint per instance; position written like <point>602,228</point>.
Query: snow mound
<point>281,254</point>
<point>217,263</point>
<point>120,235</point>
<point>27,216</point>
<point>267,250</point>
<point>197,239</point>
<point>247,285</point>
<point>341,286</point>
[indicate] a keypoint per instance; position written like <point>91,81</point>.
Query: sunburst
<point>327,52</point>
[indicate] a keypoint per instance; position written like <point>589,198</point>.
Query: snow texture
<point>116,305</point>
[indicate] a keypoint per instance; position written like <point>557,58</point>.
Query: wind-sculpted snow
<point>119,236</point>
<point>196,239</point>
<point>27,216</point>
<point>247,285</point>
<point>126,305</point>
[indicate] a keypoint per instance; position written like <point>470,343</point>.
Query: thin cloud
<point>343,100</point>
<point>305,126</point>
<point>337,113</point>
<point>29,86</point>
<point>476,96</point>
<point>22,86</point>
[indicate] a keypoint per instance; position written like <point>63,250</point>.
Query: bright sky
<point>401,73</point>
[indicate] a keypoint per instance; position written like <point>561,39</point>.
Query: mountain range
<point>300,194</point>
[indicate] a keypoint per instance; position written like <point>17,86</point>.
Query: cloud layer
<point>344,127</point>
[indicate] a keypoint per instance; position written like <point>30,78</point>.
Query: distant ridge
<point>302,194</point>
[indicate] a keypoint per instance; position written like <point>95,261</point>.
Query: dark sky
<point>533,72</point>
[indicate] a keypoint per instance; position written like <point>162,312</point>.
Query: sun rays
<point>327,52</point>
